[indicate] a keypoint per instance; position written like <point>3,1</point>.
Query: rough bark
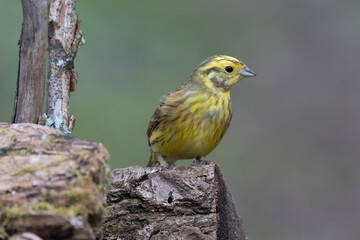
<point>30,88</point>
<point>50,184</point>
<point>185,202</point>
<point>64,40</point>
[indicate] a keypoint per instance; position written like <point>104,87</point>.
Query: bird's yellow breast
<point>194,127</point>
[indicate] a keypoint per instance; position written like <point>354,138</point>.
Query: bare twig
<point>64,40</point>
<point>32,62</point>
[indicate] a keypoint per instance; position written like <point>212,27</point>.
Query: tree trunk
<point>29,95</point>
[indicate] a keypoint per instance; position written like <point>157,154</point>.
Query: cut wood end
<point>184,202</point>
<point>50,184</point>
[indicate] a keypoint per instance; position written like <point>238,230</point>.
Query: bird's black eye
<point>229,69</point>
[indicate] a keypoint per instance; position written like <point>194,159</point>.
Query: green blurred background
<point>291,155</point>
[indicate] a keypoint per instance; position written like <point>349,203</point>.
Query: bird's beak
<point>247,72</point>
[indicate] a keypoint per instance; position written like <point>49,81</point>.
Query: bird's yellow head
<point>220,73</point>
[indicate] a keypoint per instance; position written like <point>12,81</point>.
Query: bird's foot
<point>164,164</point>
<point>199,161</point>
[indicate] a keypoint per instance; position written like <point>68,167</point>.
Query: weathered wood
<point>50,184</point>
<point>65,38</point>
<point>185,202</point>
<point>30,88</point>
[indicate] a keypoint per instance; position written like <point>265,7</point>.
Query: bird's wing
<point>165,110</point>
<point>154,121</point>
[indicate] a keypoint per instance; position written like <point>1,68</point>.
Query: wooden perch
<point>65,37</point>
<point>186,202</point>
<point>30,88</point>
<point>50,184</point>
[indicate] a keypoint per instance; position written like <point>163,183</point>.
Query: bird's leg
<point>201,160</point>
<point>162,162</point>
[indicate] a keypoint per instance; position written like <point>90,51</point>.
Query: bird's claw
<point>199,161</point>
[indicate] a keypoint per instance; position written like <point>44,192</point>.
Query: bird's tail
<point>153,159</point>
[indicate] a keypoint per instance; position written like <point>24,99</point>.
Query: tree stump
<point>50,184</point>
<point>184,202</point>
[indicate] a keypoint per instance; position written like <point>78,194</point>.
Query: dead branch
<point>65,38</point>
<point>30,87</point>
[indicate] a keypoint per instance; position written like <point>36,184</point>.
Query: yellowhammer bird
<point>191,121</point>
